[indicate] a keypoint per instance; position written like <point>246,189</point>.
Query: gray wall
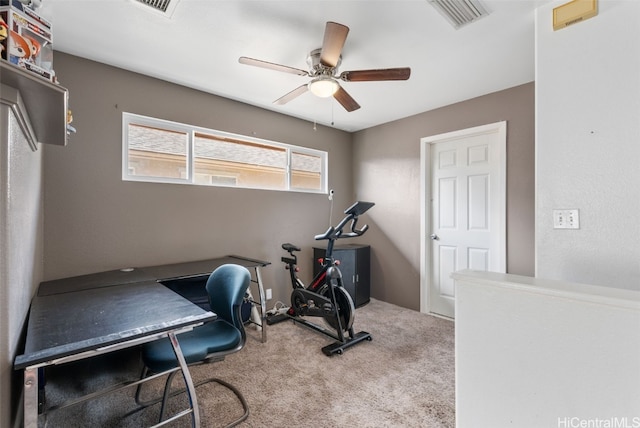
<point>387,170</point>
<point>21,243</point>
<point>94,221</point>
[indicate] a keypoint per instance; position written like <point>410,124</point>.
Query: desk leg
<point>31,397</point>
<point>263,305</point>
<point>255,315</point>
<point>191,391</point>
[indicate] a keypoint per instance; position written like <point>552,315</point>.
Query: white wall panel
<point>587,145</point>
<point>536,353</point>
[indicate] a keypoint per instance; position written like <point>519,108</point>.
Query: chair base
<point>168,394</point>
<point>238,394</point>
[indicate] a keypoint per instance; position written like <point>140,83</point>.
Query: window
<point>160,151</point>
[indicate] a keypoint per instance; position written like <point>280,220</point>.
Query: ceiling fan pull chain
<point>332,113</point>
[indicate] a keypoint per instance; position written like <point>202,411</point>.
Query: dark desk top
<point>198,268</point>
<point>69,323</point>
<point>151,273</point>
<point>69,316</point>
<point>94,280</point>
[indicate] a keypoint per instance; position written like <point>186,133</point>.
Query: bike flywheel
<point>345,308</point>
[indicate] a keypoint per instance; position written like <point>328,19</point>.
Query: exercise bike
<point>326,297</point>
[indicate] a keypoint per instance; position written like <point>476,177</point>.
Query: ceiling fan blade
<point>291,95</point>
<point>373,75</point>
<point>334,37</point>
<point>345,100</point>
<point>272,66</point>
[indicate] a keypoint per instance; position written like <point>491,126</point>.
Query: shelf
<point>45,103</point>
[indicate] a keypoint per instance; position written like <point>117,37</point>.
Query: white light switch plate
<point>566,219</point>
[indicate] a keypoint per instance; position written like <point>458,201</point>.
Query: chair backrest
<point>226,287</point>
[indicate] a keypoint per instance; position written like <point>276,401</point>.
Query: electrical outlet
<point>566,219</point>
<point>269,295</point>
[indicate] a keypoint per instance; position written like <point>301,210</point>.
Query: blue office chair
<point>210,342</point>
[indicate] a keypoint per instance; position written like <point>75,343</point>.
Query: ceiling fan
<point>323,68</point>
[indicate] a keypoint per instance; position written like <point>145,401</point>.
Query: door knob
<point>434,237</point>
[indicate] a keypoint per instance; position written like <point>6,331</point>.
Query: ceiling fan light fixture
<point>323,86</point>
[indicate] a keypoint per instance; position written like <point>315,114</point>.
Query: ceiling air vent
<point>460,12</point>
<point>160,5</point>
<point>163,7</point>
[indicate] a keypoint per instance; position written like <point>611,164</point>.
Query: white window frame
<point>191,131</point>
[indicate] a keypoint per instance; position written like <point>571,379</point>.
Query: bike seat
<point>290,247</point>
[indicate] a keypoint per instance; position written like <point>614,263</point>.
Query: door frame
<point>425,197</point>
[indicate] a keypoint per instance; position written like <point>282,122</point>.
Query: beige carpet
<point>403,378</point>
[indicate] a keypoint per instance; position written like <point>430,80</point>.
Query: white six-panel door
<point>464,212</point>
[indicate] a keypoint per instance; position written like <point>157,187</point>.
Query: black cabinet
<point>355,267</point>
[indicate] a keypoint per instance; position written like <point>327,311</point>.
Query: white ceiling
<point>199,45</point>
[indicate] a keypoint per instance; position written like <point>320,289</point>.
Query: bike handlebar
<point>352,212</point>
<point>326,235</point>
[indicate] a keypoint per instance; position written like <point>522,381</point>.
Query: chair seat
<point>196,344</point>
